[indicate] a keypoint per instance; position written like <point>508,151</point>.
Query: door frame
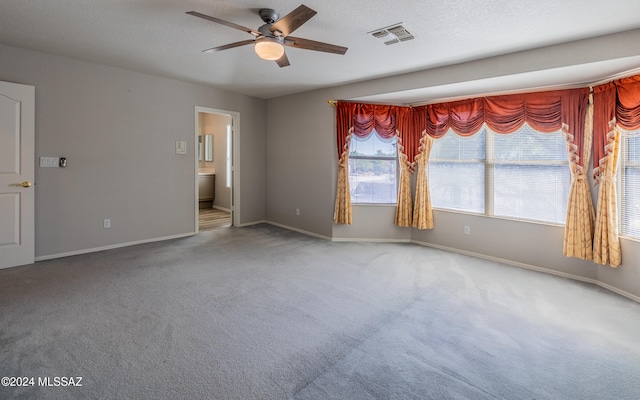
<point>235,162</point>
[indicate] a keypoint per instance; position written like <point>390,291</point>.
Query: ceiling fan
<point>269,40</point>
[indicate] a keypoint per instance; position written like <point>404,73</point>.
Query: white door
<point>17,112</point>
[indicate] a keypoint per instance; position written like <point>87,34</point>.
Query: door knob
<point>23,184</point>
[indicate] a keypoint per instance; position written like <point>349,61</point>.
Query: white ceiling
<point>157,37</point>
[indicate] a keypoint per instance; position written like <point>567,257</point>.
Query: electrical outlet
<point>107,223</point>
<point>297,211</point>
<point>467,230</point>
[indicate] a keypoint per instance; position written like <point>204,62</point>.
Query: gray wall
<point>118,129</point>
<point>302,167</point>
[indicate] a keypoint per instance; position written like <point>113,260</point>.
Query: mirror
<point>205,150</point>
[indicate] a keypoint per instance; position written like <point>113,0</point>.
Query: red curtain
<point>385,119</point>
<point>344,122</point>
<point>367,117</point>
<point>614,102</point>
<point>628,104</point>
<point>604,120</point>
<point>411,124</point>
<point>544,111</point>
<point>464,117</point>
<point>574,110</point>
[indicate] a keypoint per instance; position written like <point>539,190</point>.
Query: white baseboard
<point>221,208</point>
<point>252,223</point>
<point>533,268</point>
<point>112,246</point>
<point>619,291</point>
<point>509,262</point>
<point>298,230</point>
<point>333,239</point>
<point>365,240</point>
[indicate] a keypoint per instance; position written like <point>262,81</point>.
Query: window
<point>531,175</point>
<point>630,183</point>
<point>456,172</point>
<point>523,175</point>
<point>373,170</point>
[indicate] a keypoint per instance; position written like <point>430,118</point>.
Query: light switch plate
<point>181,147</point>
<point>49,162</point>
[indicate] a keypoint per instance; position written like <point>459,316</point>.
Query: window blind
<point>456,172</point>
<point>531,175</point>
<point>630,183</point>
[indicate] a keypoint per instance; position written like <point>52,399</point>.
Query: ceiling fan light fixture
<point>270,39</point>
<point>269,48</point>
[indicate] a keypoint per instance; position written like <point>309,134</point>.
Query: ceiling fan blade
<point>223,22</point>
<point>313,45</point>
<point>283,61</point>
<point>293,20</point>
<point>229,46</point>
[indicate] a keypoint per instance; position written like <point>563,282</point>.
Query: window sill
<point>528,221</point>
<point>374,204</point>
<point>630,238</point>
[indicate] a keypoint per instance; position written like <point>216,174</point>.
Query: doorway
<point>217,180</point>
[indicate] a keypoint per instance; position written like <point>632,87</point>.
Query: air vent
<point>385,37</point>
<point>401,33</point>
<point>392,34</point>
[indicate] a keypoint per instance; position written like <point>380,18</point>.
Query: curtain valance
<point>628,104</point>
<point>361,119</point>
<point>543,111</point>
<point>464,117</point>
<point>388,121</point>
<point>615,103</point>
<point>367,117</point>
